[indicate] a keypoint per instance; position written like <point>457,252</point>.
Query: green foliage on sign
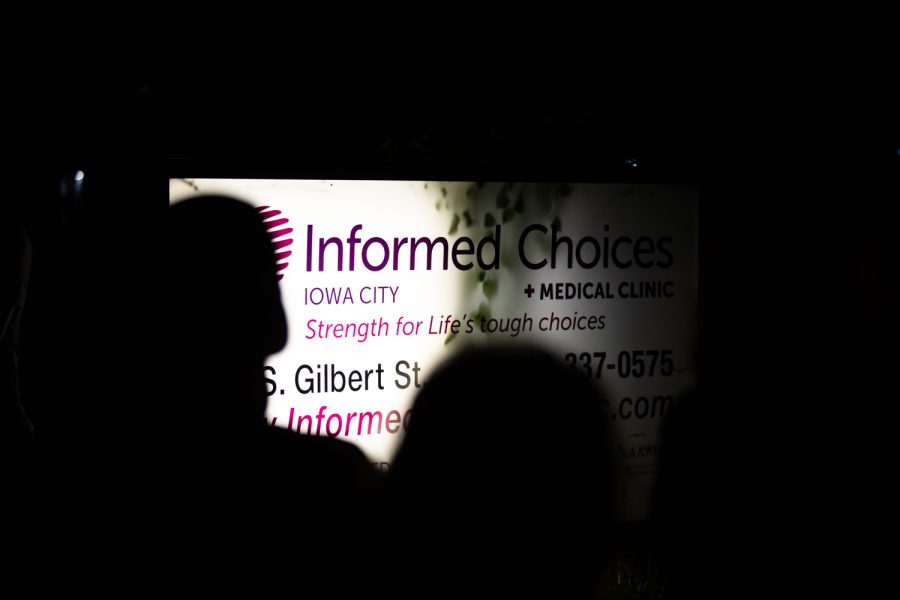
<point>475,210</point>
<point>489,287</point>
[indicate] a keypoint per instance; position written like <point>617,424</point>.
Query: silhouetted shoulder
<point>326,462</point>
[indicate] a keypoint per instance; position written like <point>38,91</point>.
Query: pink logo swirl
<point>274,223</point>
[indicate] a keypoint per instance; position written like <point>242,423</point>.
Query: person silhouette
<point>20,451</point>
<point>15,268</point>
<point>257,502</point>
<point>751,482</point>
<point>502,486</point>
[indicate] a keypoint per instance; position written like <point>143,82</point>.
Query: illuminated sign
<point>381,280</point>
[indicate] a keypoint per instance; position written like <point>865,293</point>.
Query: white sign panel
<point>381,280</point>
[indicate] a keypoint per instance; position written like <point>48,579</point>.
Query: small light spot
<point>79,175</point>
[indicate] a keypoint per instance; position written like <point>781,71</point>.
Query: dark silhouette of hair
<point>502,485</point>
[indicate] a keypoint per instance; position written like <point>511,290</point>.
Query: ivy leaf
<point>519,206</point>
<point>468,218</point>
<point>449,338</point>
<point>557,224</point>
<point>481,275</point>
<point>489,220</point>
<point>454,224</point>
<point>490,287</point>
<point>508,215</point>
<point>502,199</point>
<point>484,310</point>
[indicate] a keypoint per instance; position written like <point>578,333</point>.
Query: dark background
<point>795,156</point>
<point>566,111</point>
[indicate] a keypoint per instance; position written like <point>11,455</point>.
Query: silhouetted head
<point>505,472</point>
<point>222,296</point>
